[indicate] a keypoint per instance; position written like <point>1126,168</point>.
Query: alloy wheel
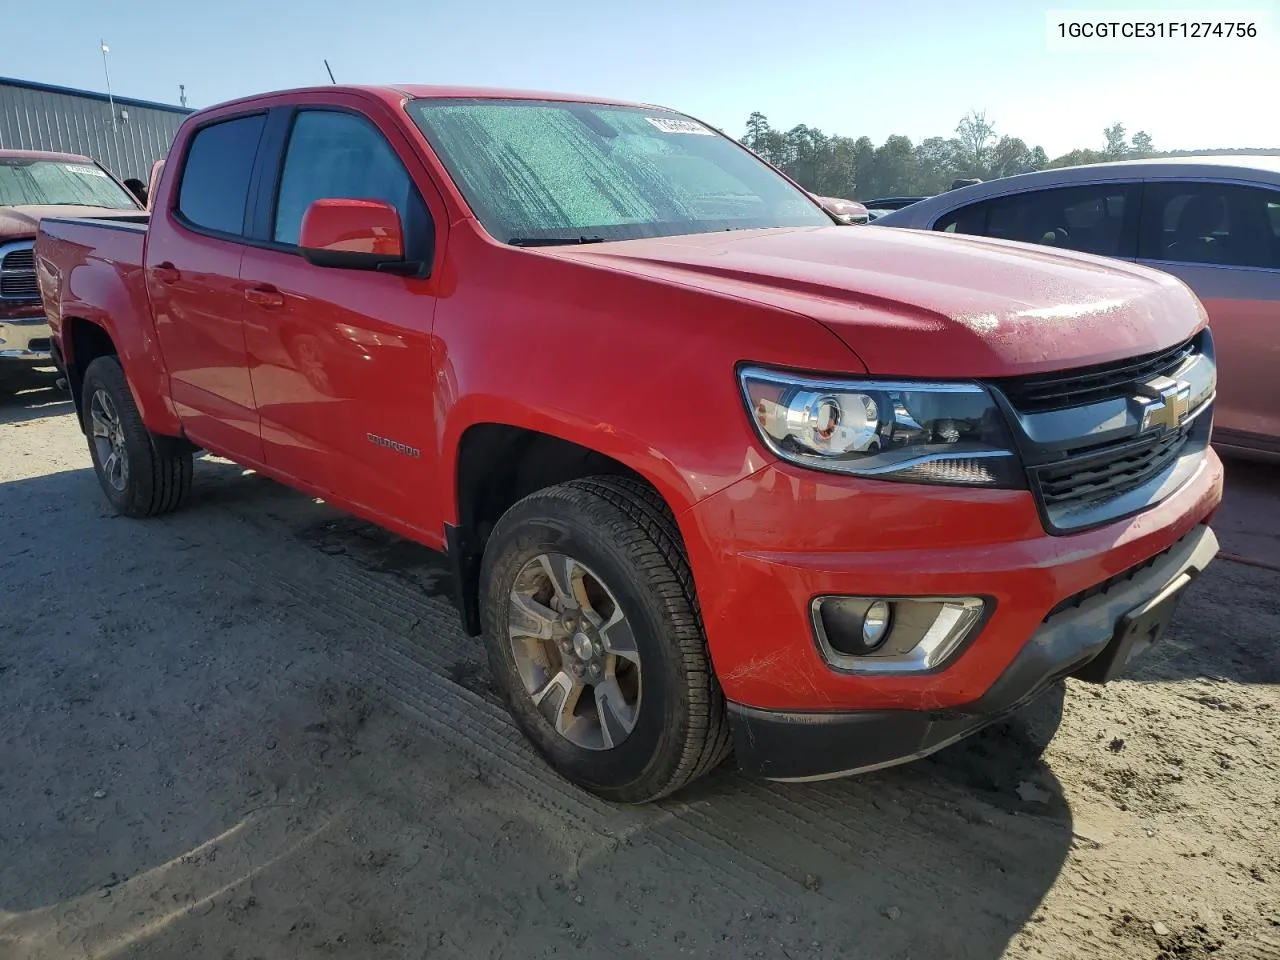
<point>575,651</point>
<point>108,440</point>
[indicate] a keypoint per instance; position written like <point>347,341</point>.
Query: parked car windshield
<point>549,171</point>
<point>25,181</point>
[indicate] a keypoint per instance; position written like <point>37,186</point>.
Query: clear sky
<point>873,67</point>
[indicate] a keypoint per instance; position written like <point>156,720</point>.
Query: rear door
<point>1223,240</point>
<point>341,359</point>
<point>193,278</point>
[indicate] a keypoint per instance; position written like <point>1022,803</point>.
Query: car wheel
<point>595,639</point>
<point>140,477</point>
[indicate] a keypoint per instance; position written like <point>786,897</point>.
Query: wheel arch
<point>497,465</point>
<point>85,340</point>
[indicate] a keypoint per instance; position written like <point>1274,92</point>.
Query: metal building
<point>37,116</point>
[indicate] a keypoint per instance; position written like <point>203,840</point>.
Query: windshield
<point>55,182</point>
<point>552,171</point>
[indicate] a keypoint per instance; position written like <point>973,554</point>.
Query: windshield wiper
<point>552,241</point>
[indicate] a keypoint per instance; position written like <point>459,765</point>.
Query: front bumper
<point>25,338</point>
<point>763,548</point>
<point>781,745</point>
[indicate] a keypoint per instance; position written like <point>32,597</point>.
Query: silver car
<point>1214,222</point>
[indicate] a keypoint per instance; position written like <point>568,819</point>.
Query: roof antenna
<point>330,69</point>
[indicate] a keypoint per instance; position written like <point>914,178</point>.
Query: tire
<point>153,479</point>
<point>623,539</point>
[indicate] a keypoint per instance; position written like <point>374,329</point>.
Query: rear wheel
<point>137,471</point>
<point>594,637</point>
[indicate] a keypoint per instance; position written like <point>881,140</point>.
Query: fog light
<point>894,634</point>
<point>875,624</point>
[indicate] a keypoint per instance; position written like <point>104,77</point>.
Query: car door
<point>193,279</point>
<point>1223,240</point>
<point>341,358</point>
<point>1099,218</point>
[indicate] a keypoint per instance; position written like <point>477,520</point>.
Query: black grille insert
<point>1084,385</point>
<point>1110,474</point>
<point>1077,600</point>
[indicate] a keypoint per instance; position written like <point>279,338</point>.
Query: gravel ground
<point>253,730</point>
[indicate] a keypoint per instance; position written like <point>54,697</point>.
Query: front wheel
<point>139,474</point>
<point>594,637</point>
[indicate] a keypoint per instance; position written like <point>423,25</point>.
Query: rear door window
<point>1216,224</point>
<point>1092,218</point>
<point>214,191</point>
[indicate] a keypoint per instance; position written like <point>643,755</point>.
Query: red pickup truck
<point>715,474</point>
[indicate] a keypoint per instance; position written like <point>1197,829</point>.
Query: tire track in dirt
<point>909,836</point>
<point>415,676</point>
<point>826,843</point>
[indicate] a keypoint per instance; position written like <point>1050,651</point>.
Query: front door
<point>1223,241</point>
<point>340,359</point>
<point>193,279</point>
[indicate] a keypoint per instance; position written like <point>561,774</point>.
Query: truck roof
<point>42,155</point>
<point>395,93</point>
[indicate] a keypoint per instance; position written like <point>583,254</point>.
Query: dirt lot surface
<point>254,730</point>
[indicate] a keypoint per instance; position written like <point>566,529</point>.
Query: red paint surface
<point>765,547</point>
<point>630,349</point>
<point>352,226</point>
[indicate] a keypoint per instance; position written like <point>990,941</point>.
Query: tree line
<point>839,166</point>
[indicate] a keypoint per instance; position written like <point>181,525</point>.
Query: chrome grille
<point>1085,385</point>
<point>18,272</point>
<point>1098,442</point>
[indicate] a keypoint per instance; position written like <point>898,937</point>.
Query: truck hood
<point>21,222</point>
<point>912,303</point>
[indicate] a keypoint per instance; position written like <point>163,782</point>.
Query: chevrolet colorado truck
<point>715,474</point>
<point>35,185</point>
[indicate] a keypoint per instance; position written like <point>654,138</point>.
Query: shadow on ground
<point>206,770</point>
<point>32,397</point>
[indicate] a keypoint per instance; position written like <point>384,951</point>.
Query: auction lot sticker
<point>679,125</point>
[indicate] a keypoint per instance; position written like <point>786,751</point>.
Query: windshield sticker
<point>676,125</point>
<point>83,170</point>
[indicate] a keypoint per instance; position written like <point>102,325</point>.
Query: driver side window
<point>1094,218</point>
<point>332,154</point>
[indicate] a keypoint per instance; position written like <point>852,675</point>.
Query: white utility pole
<point>107,73</point>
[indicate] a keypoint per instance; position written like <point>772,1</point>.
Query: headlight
<point>920,432</point>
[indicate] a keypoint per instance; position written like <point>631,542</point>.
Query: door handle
<point>264,296</point>
<point>166,272</point>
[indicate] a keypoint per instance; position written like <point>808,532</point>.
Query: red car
<point>714,474</point>
<point>35,185</point>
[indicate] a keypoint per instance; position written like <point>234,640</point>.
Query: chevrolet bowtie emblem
<point>1165,403</point>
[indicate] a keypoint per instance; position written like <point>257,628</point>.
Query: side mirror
<point>355,234</point>
<point>138,189</point>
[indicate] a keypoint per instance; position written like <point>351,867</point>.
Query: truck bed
<point>65,243</point>
<point>105,254</point>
